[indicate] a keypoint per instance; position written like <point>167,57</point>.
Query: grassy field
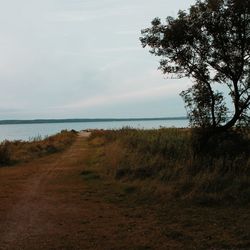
<point>187,164</point>
<point>194,202</point>
<point>12,152</point>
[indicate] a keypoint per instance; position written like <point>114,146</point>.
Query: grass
<point>90,175</point>
<point>12,152</point>
<point>183,164</point>
<point>189,209</point>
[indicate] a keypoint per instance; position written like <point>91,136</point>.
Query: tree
<point>210,44</point>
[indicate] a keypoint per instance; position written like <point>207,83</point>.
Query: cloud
<point>127,32</point>
<point>58,56</point>
<point>86,14</point>
<point>121,49</point>
<point>116,98</point>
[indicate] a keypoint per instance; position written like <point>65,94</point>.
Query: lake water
<point>30,131</point>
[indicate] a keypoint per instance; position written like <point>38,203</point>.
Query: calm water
<point>29,131</point>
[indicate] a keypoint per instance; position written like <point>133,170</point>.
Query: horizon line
<point>72,120</point>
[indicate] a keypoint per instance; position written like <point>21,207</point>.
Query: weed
<point>130,189</point>
<point>5,153</point>
<point>90,175</point>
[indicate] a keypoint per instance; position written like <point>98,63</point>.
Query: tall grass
<point>189,163</point>
<point>12,152</point>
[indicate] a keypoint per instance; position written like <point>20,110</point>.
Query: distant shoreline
<point>43,121</point>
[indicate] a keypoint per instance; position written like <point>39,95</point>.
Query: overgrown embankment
<point>187,164</point>
<point>12,152</point>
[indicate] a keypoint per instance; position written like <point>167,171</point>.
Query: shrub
<point>5,153</point>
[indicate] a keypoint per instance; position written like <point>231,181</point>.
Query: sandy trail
<point>34,197</point>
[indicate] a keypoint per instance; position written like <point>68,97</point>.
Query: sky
<point>83,59</point>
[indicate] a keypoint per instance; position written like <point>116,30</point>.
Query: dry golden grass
<point>184,211</point>
<point>12,152</point>
<point>190,165</point>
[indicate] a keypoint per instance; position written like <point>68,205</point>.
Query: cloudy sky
<point>83,58</point>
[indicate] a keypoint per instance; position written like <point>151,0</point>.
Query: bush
<point>5,153</point>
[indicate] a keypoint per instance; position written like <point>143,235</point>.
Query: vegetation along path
<point>66,201</point>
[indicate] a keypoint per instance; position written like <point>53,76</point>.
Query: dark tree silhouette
<point>211,44</point>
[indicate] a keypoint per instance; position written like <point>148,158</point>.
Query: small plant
<point>90,175</point>
<point>5,153</point>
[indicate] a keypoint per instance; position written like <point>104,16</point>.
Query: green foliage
<point>198,104</point>
<point>210,44</point>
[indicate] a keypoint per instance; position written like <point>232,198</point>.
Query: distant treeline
<point>39,121</point>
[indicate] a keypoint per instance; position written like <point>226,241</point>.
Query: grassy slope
<point>180,223</point>
<point>12,152</point>
<point>185,164</point>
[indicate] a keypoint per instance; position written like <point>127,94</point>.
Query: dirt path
<point>46,204</point>
<point>67,201</point>
<point>29,203</point>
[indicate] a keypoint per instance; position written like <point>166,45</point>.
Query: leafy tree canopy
<point>211,44</point>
